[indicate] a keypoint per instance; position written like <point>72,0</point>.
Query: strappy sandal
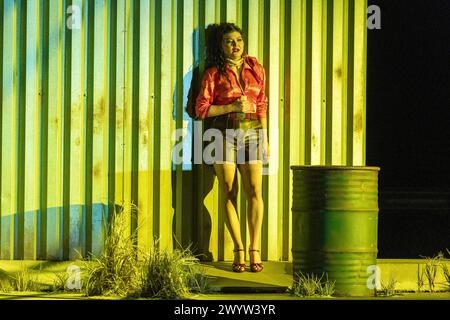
<point>238,267</point>
<point>255,267</point>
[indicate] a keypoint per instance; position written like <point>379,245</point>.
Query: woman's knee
<point>229,191</point>
<point>254,193</point>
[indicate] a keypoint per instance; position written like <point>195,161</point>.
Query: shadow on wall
<point>197,179</point>
<point>46,241</point>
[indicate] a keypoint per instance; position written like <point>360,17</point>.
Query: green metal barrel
<point>335,225</point>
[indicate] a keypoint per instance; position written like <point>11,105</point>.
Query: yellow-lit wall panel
<point>131,65</point>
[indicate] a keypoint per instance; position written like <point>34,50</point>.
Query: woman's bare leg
<point>252,180</point>
<point>226,175</point>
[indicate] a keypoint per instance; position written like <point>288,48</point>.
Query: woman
<point>232,96</point>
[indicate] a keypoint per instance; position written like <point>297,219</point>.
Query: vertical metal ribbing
<point>179,120</point>
<point>359,80</point>
<point>245,13</point>
<point>308,81</point>
<point>295,103</point>
<point>89,122</point>
<point>1,102</point>
<point>135,115</point>
<point>266,63</point>
<point>274,248</point>
<point>242,201</point>
<point>364,116</point>
<point>67,97</point>
<point>294,88</point>
<point>201,38</point>
<point>350,82</point>
<point>199,236</point>
<point>112,82</point>
<point>21,62</point>
<point>287,129</point>
<point>329,85</point>
<point>323,82</point>
<point>44,75</point>
<point>147,217</point>
<point>157,117</point>
<point>223,10</point>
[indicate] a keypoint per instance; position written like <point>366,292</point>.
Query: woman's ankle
<point>239,255</point>
<point>254,255</point>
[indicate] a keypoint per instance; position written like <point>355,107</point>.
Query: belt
<point>242,116</point>
<point>232,120</point>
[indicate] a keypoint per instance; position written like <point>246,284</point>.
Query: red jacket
<point>216,90</point>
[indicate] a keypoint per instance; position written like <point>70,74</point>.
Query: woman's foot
<point>255,261</point>
<point>239,261</point>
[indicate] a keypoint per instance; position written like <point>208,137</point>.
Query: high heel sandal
<point>255,267</point>
<point>238,267</point>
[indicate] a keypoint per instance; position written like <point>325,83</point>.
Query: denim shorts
<point>241,139</point>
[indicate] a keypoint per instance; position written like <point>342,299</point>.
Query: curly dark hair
<point>215,56</point>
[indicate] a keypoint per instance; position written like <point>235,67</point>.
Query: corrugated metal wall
<point>89,113</point>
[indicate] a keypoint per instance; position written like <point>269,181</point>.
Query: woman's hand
<point>243,105</point>
<point>266,150</point>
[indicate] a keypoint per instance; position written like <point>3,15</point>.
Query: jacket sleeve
<point>262,101</point>
<point>205,97</point>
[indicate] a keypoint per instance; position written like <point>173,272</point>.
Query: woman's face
<point>233,45</point>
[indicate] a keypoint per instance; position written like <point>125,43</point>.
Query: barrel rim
<point>324,167</point>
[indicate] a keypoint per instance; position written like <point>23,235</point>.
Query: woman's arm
<point>240,105</point>
<point>217,110</point>
<point>264,128</point>
<point>266,147</point>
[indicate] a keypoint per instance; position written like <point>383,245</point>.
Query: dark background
<point>408,125</point>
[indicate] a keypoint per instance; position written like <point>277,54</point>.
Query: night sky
<point>408,125</point>
<point>408,94</point>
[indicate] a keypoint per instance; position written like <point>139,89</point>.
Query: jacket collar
<point>249,65</point>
